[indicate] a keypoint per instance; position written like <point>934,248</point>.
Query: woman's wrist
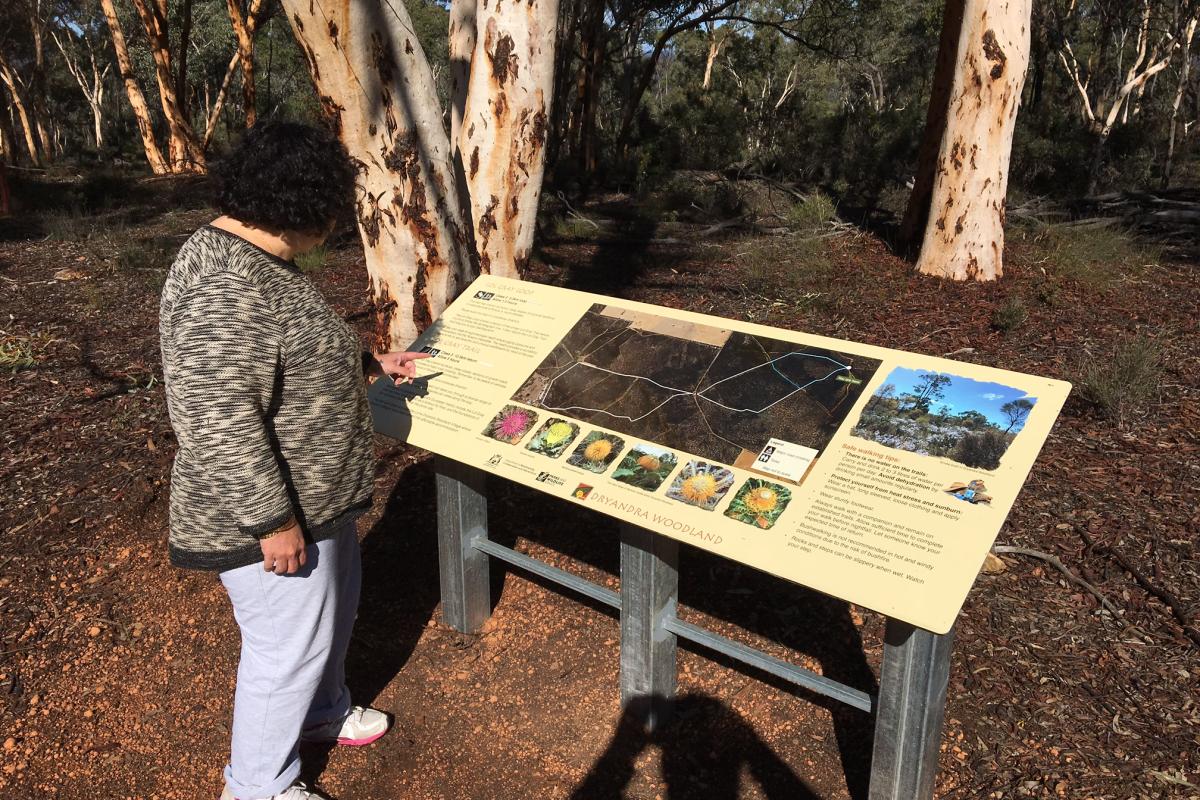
<point>291,523</point>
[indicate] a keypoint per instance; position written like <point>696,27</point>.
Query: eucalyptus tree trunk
<point>133,90</point>
<point>378,92</point>
<point>964,234</point>
<point>503,133</point>
<point>91,86</point>
<point>18,102</point>
<point>1185,71</point>
<point>213,114</point>
<point>245,24</point>
<point>462,51</point>
<point>183,146</point>
<point>37,85</point>
<point>420,222</point>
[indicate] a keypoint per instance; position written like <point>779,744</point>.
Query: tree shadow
<point>620,256</point>
<point>705,750</point>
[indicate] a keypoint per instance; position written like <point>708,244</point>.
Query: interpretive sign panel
<point>874,475</point>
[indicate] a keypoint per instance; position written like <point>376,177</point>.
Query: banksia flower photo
<point>701,484</point>
<point>596,451</point>
<point>511,424</point>
<point>553,438</point>
<point>646,467</point>
<point>759,503</point>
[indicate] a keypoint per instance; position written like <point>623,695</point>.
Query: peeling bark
<point>377,90</point>
<point>970,172</point>
<point>245,25</point>
<point>93,89</point>
<point>916,214</point>
<point>27,127</point>
<point>506,116</point>
<point>184,153</point>
<point>429,215</point>
<point>133,90</point>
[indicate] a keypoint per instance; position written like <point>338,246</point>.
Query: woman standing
<point>275,463</point>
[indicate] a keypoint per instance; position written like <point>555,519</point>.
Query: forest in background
<point>823,93</point>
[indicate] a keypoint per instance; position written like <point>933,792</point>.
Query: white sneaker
<point>361,726</point>
<point>297,791</point>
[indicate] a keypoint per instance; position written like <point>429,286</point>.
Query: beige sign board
<point>877,476</point>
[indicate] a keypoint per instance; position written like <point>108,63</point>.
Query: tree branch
<point>1055,562</point>
<point>1165,595</point>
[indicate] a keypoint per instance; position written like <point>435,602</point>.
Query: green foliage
<point>1094,256</point>
<point>144,254</point>
<point>22,352</point>
<point>812,213</point>
<point>779,268</point>
<point>312,261</point>
<point>1124,382</point>
<point>981,450</point>
<point>645,468</point>
<point>1010,314</point>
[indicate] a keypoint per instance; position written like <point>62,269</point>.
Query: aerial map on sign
<point>727,396</point>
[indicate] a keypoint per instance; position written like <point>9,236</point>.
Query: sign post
<point>649,591</point>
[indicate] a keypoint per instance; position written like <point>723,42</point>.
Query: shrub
<point>104,189</point>
<point>1124,382</point>
<point>142,255</point>
<point>773,265</point>
<point>1010,314</point>
<point>1095,256</point>
<point>812,213</point>
<point>981,450</point>
<point>312,261</point>
<point>22,352</point>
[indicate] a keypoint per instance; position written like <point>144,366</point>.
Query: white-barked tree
<point>435,207</point>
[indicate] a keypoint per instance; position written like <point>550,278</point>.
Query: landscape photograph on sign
<point>934,414</point>
<point>717,393</point>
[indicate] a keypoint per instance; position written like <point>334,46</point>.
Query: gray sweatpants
<point>295,631</point>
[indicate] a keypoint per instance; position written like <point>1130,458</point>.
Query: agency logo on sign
<point>433,351</point>
<point>495,460</point>
<point>484,295</point>
<point>582,491</point>
<point>546,477</point>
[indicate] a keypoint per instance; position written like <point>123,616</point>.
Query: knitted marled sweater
<point>265,391</point>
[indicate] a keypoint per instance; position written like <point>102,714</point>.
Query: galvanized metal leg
<point>649,593</point>
<point>462,520</point>
<point>912,701</point>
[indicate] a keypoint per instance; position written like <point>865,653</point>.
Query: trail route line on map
<point>716,393</point>
<point>700,394</point>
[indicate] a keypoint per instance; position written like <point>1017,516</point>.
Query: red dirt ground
<point>117,670</point>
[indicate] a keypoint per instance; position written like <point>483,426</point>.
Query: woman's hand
<point>283,552</point>
<point>399,366</point>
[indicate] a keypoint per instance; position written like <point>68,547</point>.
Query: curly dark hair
<point>285,176</point>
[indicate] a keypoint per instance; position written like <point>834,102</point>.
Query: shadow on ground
<point>705,751</point>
